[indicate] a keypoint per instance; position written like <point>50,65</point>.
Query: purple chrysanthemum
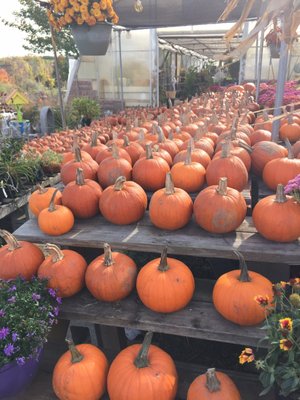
<point>20,360</point>
<point>9,349</point>
<point>3,333</point>
<point>36,297</point>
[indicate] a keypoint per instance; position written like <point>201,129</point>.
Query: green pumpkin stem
<point>58,255</point>
<point>212,382</point>
<point>79,177</point>
<point>52,204</point>
<point>149,154</point>
<point>280,196</point>
<point>163,265</point>
<point>119,183</point>
<point>76,356</point>
<point>169,185</point>
<point>222,187</point>
<point>244,275</point>
<point>10,240</point>
<point>108,259</point>
<point>141,360</point>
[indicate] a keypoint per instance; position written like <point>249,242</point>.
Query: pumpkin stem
<point>126,141</point>
<point>58,255</point>
<point>290,118</point>
<point>141,136</point>
<point>222,187</point>
<point>225,149</point>
<point>79,177</point>
<point>245,146</point>
<point>280,196</point>
<point>290,149</point>
<point>94,139</point>
<point>188,159</point>
<point>169,184</point>
<point>77,154</point>
<point>41,189</point>
<point>108,259</point>
<point>51,204</point>
<point>115,151</point>
<point>265,116</point>
<point>161,136</point>
<point>119,183</point>
<point>10,240</point>
<point>212,382</point>
<point>141,360</point>
<point>149,154</point>
<point>244,275</point>
<point>76,356</point>
<point>163,265</point>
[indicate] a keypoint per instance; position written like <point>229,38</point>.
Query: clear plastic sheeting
<point>162,13</point>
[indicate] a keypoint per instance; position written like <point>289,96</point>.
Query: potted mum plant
<point>273,40</point>
<point>90,21</point>
<point>28,310</point>
<point>280,368</point>
<point>293,188</point>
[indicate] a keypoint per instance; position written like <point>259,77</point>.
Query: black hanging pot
<point>92,40</point>
<point>274,50</point>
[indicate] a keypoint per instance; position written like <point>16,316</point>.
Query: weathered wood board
<point>190,240</point>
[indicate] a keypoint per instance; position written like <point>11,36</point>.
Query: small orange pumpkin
<point>64,269</point>
<point>80,373</point>
<point>40,199</point>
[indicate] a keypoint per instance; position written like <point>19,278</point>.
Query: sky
<point>11,39</point>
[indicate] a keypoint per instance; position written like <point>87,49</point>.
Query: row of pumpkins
<point>164,284</point>
<point>216,209</point>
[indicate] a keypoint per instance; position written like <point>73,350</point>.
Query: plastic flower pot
<point>14,378</point>
<point>274,50</point>
<point>92,40</point>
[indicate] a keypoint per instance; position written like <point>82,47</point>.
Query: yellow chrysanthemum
<point>115,20</point>
<point>71,11</point>
<point>286,324</point>
<point>101,18</point>
<point>246,356</point>
<point>76,7</point>
<point>103,4</point>
<point>83,9</point>
<point>285,344</point>
<point>85,16</point>
<point>91,21</point>
<point>85,2</point>
<point>68,18</point>
<point>79,20</point>
<point>96,5</point>
<point>96,13</point>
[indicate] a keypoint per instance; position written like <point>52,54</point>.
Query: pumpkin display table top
<point>190,240</point>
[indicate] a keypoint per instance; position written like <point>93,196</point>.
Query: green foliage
<point>28,311</point>
<point>83,106</point>
<point>197,81</point>
<point>51,162</point>
<point>32,19</point>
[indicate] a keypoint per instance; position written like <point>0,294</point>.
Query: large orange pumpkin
<point>142,372</point>
<point>80,373</point>
<point>277,217</point>
<point>68,170</point>
<point>150,171</point>
<point>228,166</point>
<point>290,130</point>
<point>234,295</point>
<point>64,269</point>
<point>111,276</point>
<point>170,208</point>
<point>213,385</point>
<point>55,220</point>
<point>220,209</point>
<point>40,199</point>
<point>124,202</point>
<point>82,196</point>
<point>165,284</point>
<point>263,152</point>
<point>18,258</point>
<point>94,147</point>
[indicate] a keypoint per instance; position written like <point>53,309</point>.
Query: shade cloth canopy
<point>162,13</point>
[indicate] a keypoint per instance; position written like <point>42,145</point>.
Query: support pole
<point>121,68</point>
<point>61,104</point>
<point>259,64</point>
<point>282,70</point>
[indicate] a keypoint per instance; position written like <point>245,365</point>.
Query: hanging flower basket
<point>92,40</point>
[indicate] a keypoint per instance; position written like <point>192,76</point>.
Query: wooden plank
<point>7,209</point>
<point>198,320</point>
<point>190,240</point>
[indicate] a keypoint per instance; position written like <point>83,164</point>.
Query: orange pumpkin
<point>260,135</point>
<point>134,149</point>
<point>111,276</point>
<point>290,130</point>
<point>213,386</point>
<point>18,258</point>
<point>40,199</point>
<point>166,144</point>
<point>234,295</point>
<point>197,155</point>
<point>124,202</point>
<point>277,217</point>
<point>165,284</point>
<point>170,208</point>
<point>94,147</point>
<point>68,170</point>
<point>263,152</point>
<point>64,269</point>
<point>228,166</point>
<point>80,373</point>
<point>150,171</point>
<point>106,153</point>
<point>82,196</point>
<point>142,372</point>
<point>55,220</point>
<point>220,209</point>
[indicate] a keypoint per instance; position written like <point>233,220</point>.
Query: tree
<point>32,19</point>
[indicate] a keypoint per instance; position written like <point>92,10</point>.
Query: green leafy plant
<point>51,162</point>
<point>281,365</point>
<point>28,310</point>
<point>83,106</point>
